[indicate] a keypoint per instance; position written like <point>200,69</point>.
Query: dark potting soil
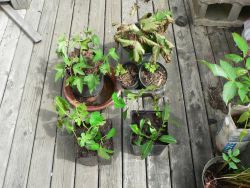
<point>212,173</point>
<point>158,78</point>
<point>156,122</point>
<point>130,77</point>
<point>83,152</point>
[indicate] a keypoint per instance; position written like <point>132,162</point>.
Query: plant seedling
<point>90,124</point>
<point>147,134</point>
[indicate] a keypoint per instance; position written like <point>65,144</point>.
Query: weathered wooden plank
<point>192,90</point>
<point>20,4</point>
<point>210,83</point>
<point>21,151</point>
<point>35,36</point>
<point>44,144</point>
<point>65,169</point>
<point>3,22</point>
<point>7,51</point>
<point>96,23</point>
<point>113,15</point>
<point>14,88</point>
<point>182,171</point>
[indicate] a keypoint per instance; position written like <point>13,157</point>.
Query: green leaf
<point>95,40</point>
<point>235,160</point>
<point>241,43</point>
<point>146,149</point>
<point>113,54</point>
<point>240,71</point>
<point>62,106</point>
<point>98,55</point>
<point>229,70</point>
<point>216,69</point>
<point>105,68</point>
<point>111,133</point>
<point>234,57</point>
<point>168,139</point>
<point>142,122</point>
<point>248,63</point>
<point>229,91</point>
<point>225,157</point>
<point>93,146</point>
<point>242,93</point>
<point>69,127</point>
<point>78,82</point>
<point>60,71</point>
<point>233,165</point>
<point>77,68</point>
<point>243,134</point>
<point>135,128</point>
<point>92,81</point>
<point>96,119</point>
<point>230,153</point>
<point>166,113</point>
<point>244,117</point>
<point>118,101</point>
<point>103,154</point>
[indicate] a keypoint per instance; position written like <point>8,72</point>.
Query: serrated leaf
<point>98,55</point>
<point>118,101</point>
<point>95,40</point>
<point>228,69</point>
<point>229,91</point>
<point>105,68</point>
<point>78,82</point>
<point>60,71</point>
<point>111,133</point>
<point>93,146</point>
<point>241,43</point>
<point>113,54</point>
<point>62,106</point>
<point>146,148</point>
<point>92,81</point>
<point>77,68</point>
<point>96,119</point>
<point>168,139</point>
<point>216,69</point>
<point>234,57</point>
<point>135,128</point>
<point>248,63</point>
<point>69,127</point>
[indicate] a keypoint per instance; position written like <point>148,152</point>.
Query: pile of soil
<point>130,78</point>
<point>156,122</point>
<point>212,173</point>
<point>158,78</point>
<point>83,152</point>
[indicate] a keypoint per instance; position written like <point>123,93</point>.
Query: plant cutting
<point>146,41</point>
<point>226,171</point>
<point>149,132</point>
<point>93,133</point>
<point>234,68</point>
<point>84,66</point>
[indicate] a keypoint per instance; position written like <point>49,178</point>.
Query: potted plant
<point>149,134</point>
<point>84,67</point>
<point>146,40</point>
<point>92,132</point>
<point>226,171</point>
<point>235,70</point>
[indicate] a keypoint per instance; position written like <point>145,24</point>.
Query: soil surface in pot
<point>155,121</point>
<point>130,78</point>
<point>106,93</point>
<point>158,78</point>
<point>83,152</point>
<point>212,173</point>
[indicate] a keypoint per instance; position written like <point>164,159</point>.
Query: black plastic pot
<point>158,147</point>
<point>136,84</point>
<point>159,90</point>
<point>86,93</point>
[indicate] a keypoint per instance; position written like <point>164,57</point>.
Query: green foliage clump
<point>147,134</point>
<point>90,124</point>
<point>83,61</point>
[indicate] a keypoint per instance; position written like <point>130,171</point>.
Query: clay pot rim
<point>67,91</point>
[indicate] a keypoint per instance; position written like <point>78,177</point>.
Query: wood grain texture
<point>113,15</point>
<point>34,35</point>
<point>7,51</point>
<point>27,119</point>
<point>20,4</point>
<point>43,150</point>
<point>3,22</point>
<point>10,108</point>
<point>193,96</point>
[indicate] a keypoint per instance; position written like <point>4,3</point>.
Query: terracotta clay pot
<point>110,79</point>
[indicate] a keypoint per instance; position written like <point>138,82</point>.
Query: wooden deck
<point>34,154</point>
